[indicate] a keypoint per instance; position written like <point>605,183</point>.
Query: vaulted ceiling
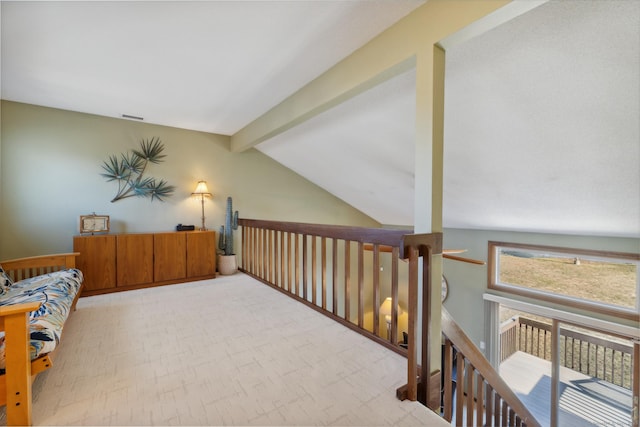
<point>542,127</point>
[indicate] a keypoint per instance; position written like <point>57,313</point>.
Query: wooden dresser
<point>118,262</point>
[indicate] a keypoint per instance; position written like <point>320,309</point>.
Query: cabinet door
<point>201,253</point>
<point>170,256</point>
<point>134,259</point>
<point>97,261</point>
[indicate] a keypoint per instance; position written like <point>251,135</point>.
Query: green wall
<point>468,282</point>
<point>50,167</point>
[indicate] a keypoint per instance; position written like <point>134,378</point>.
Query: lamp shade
<point>385,309</point>
<point>201,189</point>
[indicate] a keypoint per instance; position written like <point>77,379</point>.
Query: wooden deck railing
<point>586,353</point>
<point>482,398</point>
<point>323,266</point>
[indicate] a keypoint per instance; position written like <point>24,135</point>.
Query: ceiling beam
<point>387,55</point>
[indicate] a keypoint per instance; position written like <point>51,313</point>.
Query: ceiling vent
<point>127,116</point>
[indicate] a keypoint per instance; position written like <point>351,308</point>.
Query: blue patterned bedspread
<point>56,291</point>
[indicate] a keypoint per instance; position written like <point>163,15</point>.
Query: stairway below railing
<point>474,393</point>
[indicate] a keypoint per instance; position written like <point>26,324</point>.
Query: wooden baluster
<point>447,361</point>
<point>480,401</point>
<point>283,284</point>
<point>265,254</point>
<point>334,271</point>
<point>297,263</point>
<point>247,251</point>
<point>489,405</point>
<point>283,260</point>
<point>324,273</point>
<point>347,280</point>
<point>273,250</point>
<point>261,263</point>
<point>289,266</point>
<point>395,257</point>
<point>360,285</point>
<point>412,362</point>
<point>469,389</point>
<point>243,247</point>
<point>258,252</point>
<point>314,270</point>
<point>256,244</point>
<point>505,413</point>
<point>276,244</point>
<point>273,256</point>
<point>305,273</point>
<point>460,377</point>
<point>248,234</point>
<point>497,404</point>
<point>426,327</point>
<point>271,236</point>
<point>376,290</point>
<point>268,255</point>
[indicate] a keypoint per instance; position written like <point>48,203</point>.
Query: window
<point>606,282</point>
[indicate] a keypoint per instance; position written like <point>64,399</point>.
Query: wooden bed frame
<point>15,383</point>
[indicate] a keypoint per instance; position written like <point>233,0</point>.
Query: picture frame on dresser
<point>93,223</point>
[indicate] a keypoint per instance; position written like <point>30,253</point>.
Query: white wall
<point>50,175</point>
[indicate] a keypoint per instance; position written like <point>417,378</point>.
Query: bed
<point>37,294</point>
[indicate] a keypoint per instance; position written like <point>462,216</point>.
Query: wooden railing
<point>591,355</point>
<point>474,393</point>
<point>323,266</point>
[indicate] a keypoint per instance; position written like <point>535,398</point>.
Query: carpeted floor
<point>227,351</point>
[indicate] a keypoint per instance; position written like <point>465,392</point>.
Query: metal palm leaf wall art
<point>128,170</point>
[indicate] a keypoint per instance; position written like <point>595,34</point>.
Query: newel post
<point>412,347</point>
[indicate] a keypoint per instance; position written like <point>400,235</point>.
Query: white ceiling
<point>212,66</point>
<point>542,129</point>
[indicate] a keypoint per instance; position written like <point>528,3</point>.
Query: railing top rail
<point>464,344</point>
<point>582,336</point>
<point>534,323</point>
<point>379,236</point>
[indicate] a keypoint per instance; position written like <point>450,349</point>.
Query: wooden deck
<point>584,400</point>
